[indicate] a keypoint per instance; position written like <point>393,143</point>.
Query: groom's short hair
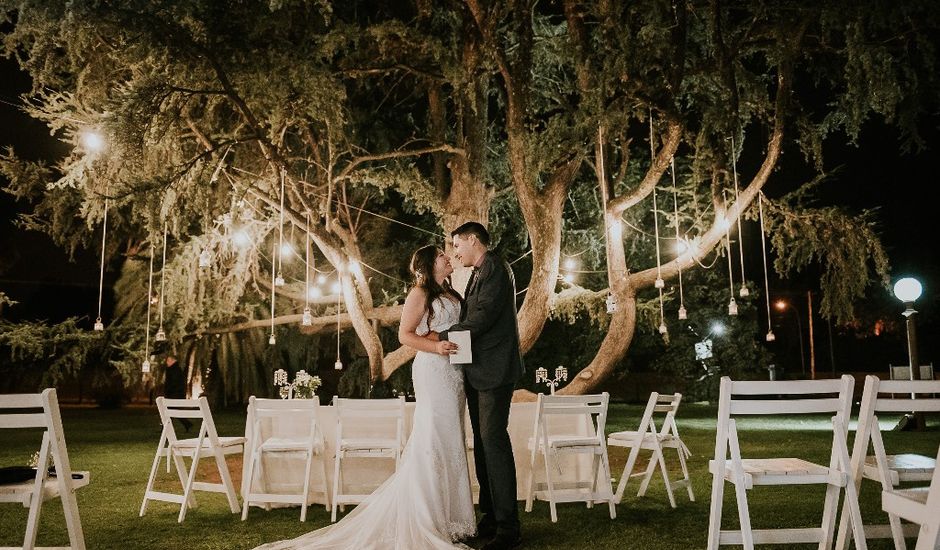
<point>473,228</point>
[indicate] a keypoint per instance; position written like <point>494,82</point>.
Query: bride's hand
<point>445,347</point>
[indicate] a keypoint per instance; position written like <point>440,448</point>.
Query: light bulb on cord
<point>307,319</point>
<point>660,283</point>
<point>205,259</point>
<point>770,336</point>
<point>744,292</point>
<point>145,366</point>
<point>99,325</point>
<point>338,365</point>
<point>160,336</point>
<point>272,340</point>
<point>732,307</point>
<point>279,280</point>
<point>683,315</point>
<point>663,329</point>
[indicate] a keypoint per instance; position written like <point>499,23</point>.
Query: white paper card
<point>463,354</point>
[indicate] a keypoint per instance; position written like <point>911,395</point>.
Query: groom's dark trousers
<point>492,456</point>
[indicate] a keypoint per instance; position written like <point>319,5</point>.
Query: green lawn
<point>118,446</point>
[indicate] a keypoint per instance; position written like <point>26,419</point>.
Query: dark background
<point>51,286</point>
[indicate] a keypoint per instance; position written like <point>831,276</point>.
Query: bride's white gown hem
<point>427,503</point>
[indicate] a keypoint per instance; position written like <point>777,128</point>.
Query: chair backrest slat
<point>909,386</point>
<point>21,401</point>
<point>592,408</point>
<point>32,420</point>
<point>786,406</point>
<point>786,387</point>
<point>907,405</point>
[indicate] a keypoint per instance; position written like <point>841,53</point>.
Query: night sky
<point>873,175</point>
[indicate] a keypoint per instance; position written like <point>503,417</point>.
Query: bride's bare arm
<point>411,315</point>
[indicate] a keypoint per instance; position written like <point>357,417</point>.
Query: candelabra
<point>304,385</point>
<point>541,376</point>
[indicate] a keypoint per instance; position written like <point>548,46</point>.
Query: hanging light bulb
<point>338,365</point>
<point>683,315</point>
<point>744,292</point>
<point>99,325</point>
<point>205,259</point>
<point>145,366</point>
<point>279,280</point>
<point>272,340</point>
<point>307,318</point>
<point>732,307</point>
<point>663,329</point>
<point>770,336</point>
<point>660,283</point>
<point>160,336</point>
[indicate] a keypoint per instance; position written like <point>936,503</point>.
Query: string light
<point>160,336</point>
<point>675,201</point>
<point>760,209</point>
<point>307,318</point>
<point>273,339</point>
<point>279,280</point>
<point>145,367</point>
<point>732,305</point>
<point>743,292</point>
<point>99,324</point>
<point>338,365</point>
<point>659,283</point>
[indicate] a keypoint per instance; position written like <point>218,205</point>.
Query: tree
<point>334,119</point>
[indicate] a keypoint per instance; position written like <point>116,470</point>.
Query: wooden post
<point>812,348</point>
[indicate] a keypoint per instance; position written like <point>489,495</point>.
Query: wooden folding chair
<point>41,410</point>
<point>894,396</point>
<point>263,415</point>
<point>549,444</point>
<point>919,505</point>
<point>647,438</point>
<point>206,443</point>
<point>358,421</point>
<point>779,398</point>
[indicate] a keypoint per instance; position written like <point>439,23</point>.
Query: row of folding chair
<point>843,473</point>
<point>277,430</point>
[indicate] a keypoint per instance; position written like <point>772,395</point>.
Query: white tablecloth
<point>364,475</point>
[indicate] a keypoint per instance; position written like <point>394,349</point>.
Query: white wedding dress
<point>427,503</point>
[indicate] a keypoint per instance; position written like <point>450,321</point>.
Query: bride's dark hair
<point>422,267</point>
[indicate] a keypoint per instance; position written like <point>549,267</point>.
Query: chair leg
<point>530,489</point>
<point>336,484</point>
<point>153,473</point>
<point>627,472</point>
<point>605,484</point>
<point>714,515</point>
<point>549,485</point>
<point>35,502</point>
<point>249,475</point>
<point>230,494</point>
<point>188,487</point>
<point>306,495</point>
<point>595,473</point>
<point>326,483</point>
<point>685,473</point>
<point>662,467</point>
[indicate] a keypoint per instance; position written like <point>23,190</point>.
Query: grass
<point>117,446</point>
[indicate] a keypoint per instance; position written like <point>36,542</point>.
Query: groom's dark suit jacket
<point>489,313</point>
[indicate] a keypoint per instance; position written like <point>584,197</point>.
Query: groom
<point>489,313</point>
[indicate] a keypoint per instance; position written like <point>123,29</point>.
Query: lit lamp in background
<point>908,290</point>
<point>781,306</point>
<point>541,376</point>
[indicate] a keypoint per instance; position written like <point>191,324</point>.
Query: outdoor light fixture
<point>205,259</point>
<point>307,319</point>
<point>770,336</point>
<point>541,376</point>
<point>99,324</point>
<point>338,365</point>
<point>908,290</point>
<point>718,329</point>
<point>145,366</point>
<point>732,307</point>
<point>660,283</point>
<point>279,280</point>
<point>744,292</point>
<point>663,329</point>
<point>272,340</point>
<point>683,315</point>
<point>160,336</point>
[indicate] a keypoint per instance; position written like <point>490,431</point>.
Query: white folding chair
<point>779,398</point>
<point>365,428</point>
<point>264,415</point>
<point>894,396</point>
<point>207,443</point>
<point>919,505</point>
<point>41,410</point>
<point>647,438</point>
<point>591,411</point>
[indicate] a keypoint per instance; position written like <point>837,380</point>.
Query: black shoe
<point>503,541</point>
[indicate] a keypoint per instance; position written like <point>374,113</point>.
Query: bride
<point>427,503</point>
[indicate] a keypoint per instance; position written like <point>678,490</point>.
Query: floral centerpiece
<point>304,386</point>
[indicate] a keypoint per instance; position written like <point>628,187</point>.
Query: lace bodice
<point>446,313</point>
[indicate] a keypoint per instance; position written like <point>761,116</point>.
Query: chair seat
<point>628,438</point>
<point>368,444</point>
<point>901,467</point>
<point>777,471</point>
<point>22,491</point>
<point>224,442</point>
<point>287,444</point>
<point>565,441</point>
